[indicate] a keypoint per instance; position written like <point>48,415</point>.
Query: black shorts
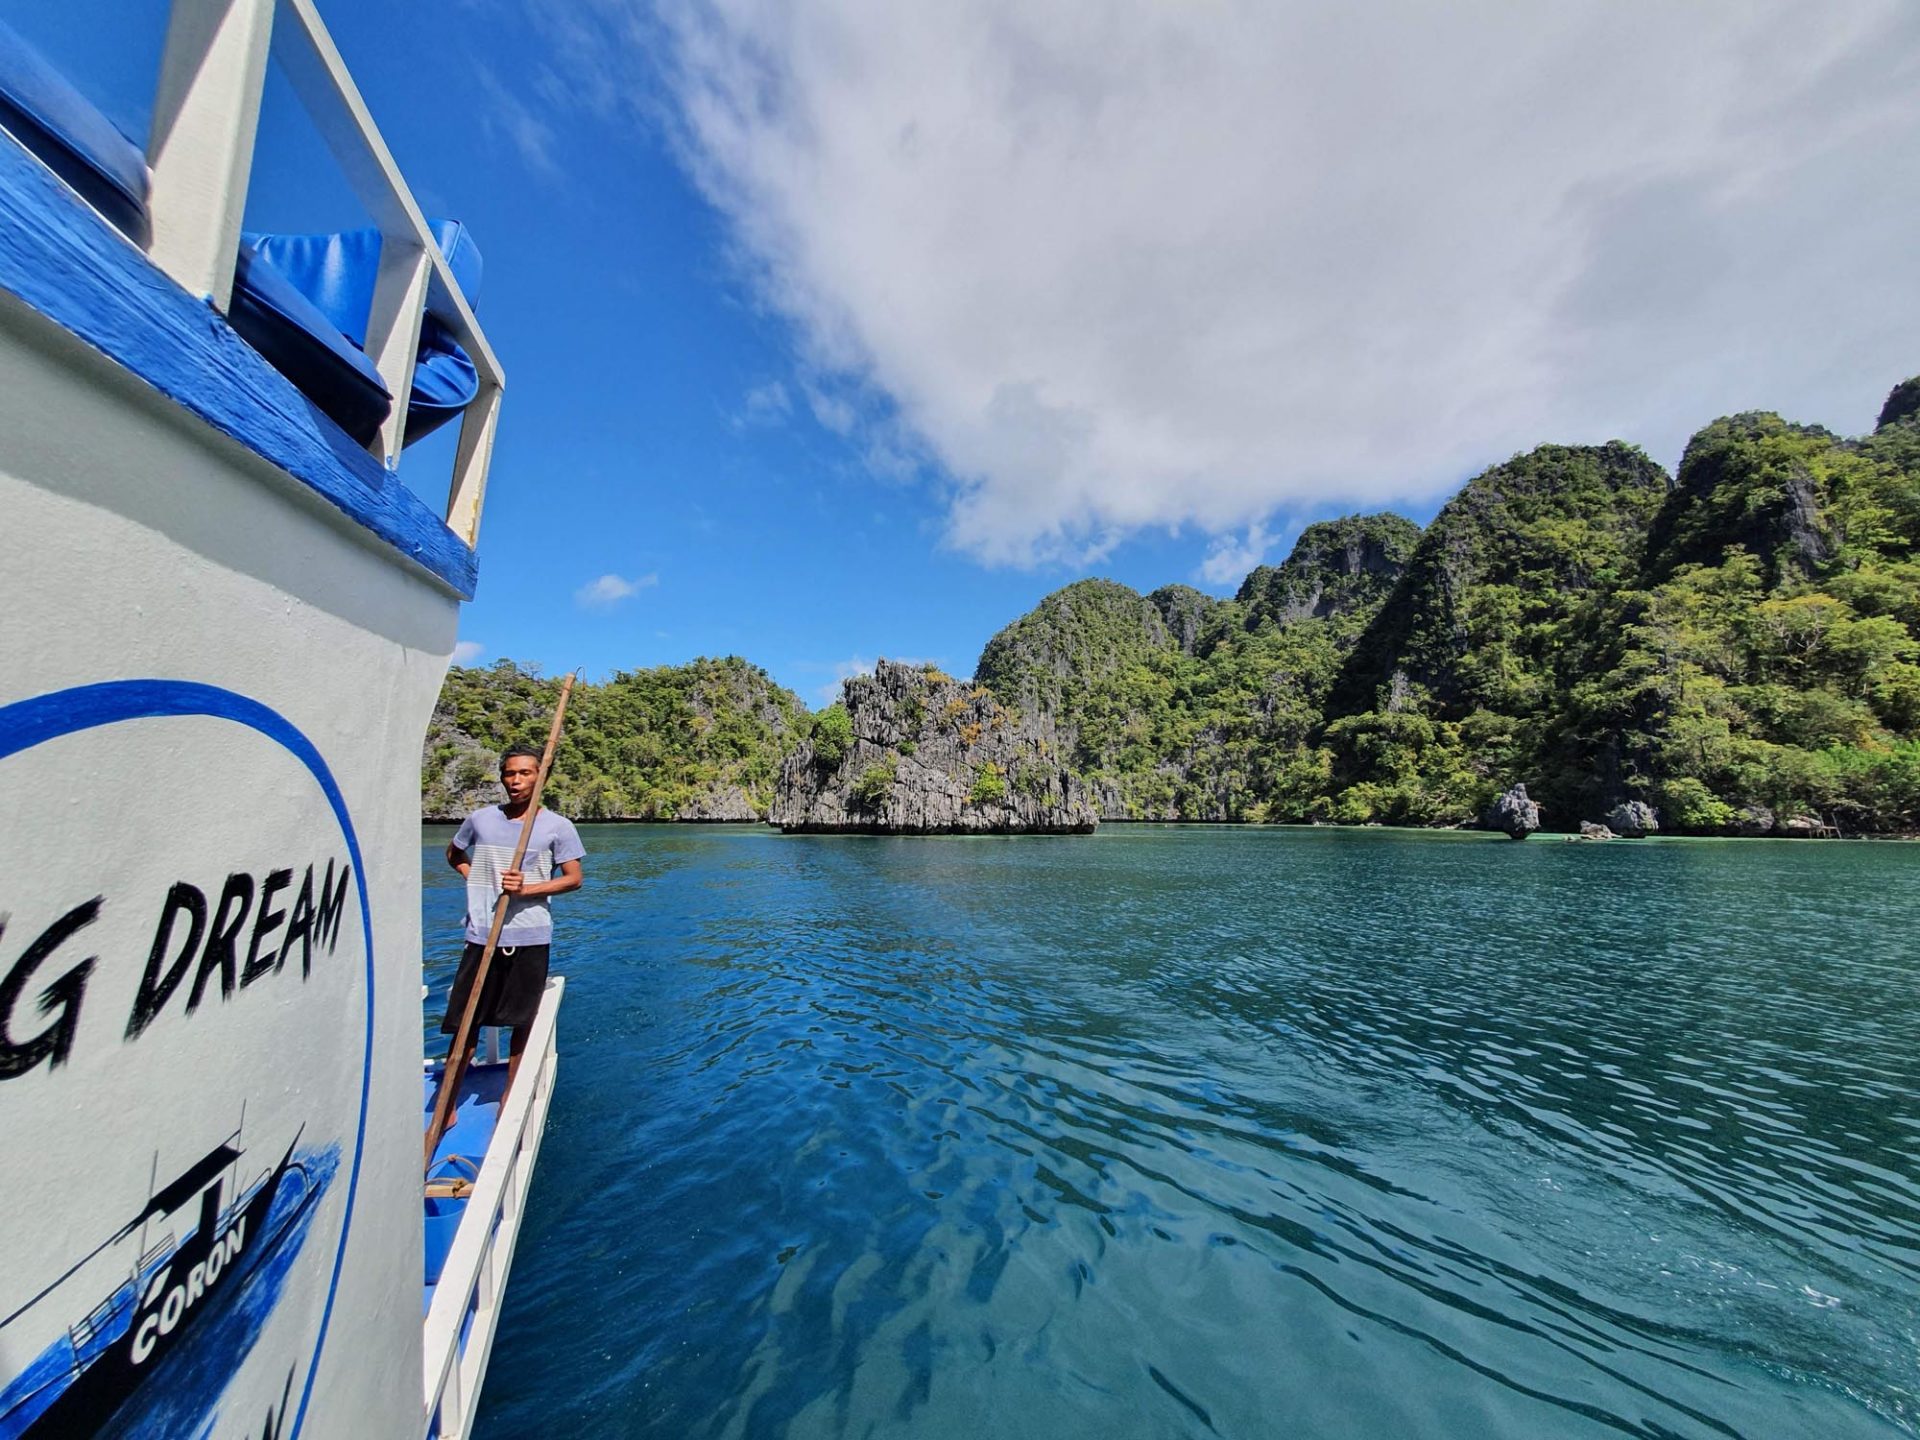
<point>515,981</point>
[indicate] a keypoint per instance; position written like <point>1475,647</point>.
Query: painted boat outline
<point>174,1290</point>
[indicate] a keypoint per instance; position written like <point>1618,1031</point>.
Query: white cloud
<point>1115,264</point>
<point>610,590</point>
<point>1231,556</point>
<point>834,412</point>
<point>506,115</point>
<point>465,652</point>
<point>767,404</point>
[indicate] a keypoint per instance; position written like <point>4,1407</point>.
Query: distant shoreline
<point>1547,836</point>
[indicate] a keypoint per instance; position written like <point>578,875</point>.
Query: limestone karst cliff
<point>915,752</point>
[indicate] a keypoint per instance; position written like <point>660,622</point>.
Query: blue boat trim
<point>64,261</point>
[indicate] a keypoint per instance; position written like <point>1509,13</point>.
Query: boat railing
<point>200,152</point>
<point>83,1331</point>
<point>482,1251</point>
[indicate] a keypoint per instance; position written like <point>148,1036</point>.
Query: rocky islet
<point>925,754</point>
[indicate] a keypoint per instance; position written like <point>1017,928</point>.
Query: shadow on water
<point>1322,1133</point>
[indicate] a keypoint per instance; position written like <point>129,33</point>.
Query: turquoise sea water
<point>1210,1131</point>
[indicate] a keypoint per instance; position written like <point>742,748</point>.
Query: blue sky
<point>852,330</point>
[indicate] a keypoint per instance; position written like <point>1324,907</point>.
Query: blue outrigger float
<point>221,563</point>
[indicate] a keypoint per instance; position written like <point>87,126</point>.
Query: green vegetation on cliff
<point>1211,720</point>
<point>1736,647</point>
<point>697,741</point>
<point>1766,660</point>
<point>1339,569</point>
<point>1080,638</point>
<point>1451,692</point>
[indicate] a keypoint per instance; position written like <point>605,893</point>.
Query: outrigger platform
<point>476,1195</point>
<point>230,611</point>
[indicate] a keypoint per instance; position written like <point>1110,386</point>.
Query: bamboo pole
<point>455,1067</point>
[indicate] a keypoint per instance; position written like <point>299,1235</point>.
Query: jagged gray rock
<point>1807,827</point>
<point>719,803</point>
<point>1513,814</point>
<point>1185,611</point>
<point>1632,819</point>
<point>1754,820</point>
<point>458,774</point>
<point>1591,831</point>
<point>930,756</point>
<point>1903,404</point>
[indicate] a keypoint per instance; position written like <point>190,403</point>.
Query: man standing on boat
<point>481,850</point>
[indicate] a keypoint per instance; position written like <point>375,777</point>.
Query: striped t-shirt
<point>488,838</point>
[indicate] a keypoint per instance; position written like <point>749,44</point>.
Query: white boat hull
<point>214,693</point>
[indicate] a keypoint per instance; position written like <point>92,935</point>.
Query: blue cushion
<point>55,122</point>
<point>463,259</point>
<point>303,345</point>
<point>444,382</point>
<point>337,274</point>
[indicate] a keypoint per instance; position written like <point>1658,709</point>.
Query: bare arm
<point>459,859</point>
<point>569,878</point>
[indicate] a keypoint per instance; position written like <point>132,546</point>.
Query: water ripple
<point>1240,1133</point>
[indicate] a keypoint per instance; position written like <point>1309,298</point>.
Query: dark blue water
<point>1236,1132</point>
